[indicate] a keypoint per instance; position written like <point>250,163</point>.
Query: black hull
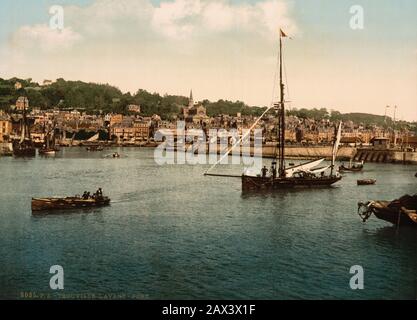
<point>347,169</point>
<point>398,212</point>
<point>28,152</point>
<point>259,183</point>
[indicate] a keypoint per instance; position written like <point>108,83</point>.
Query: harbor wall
<point>386,156</point>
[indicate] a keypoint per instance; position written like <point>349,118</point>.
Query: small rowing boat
<point>365,182</point>
<point>44,204</point>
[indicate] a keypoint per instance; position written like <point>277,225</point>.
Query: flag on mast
<point>282,33</point>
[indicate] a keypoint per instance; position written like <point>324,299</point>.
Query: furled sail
<point>302,167</point>
<point>336,143</point>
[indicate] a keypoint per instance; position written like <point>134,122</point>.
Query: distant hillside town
<point>78,111</point>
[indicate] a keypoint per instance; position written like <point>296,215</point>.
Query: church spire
<point>191,102</point>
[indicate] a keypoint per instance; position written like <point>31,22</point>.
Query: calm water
<point>172,233</point>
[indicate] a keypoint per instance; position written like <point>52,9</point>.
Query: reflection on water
<point>170,232</point>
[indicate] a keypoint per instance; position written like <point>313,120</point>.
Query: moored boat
<point>402,211</point>
<point>94,148</point>
<point>44,204</point>
<point>355,167</point>
<point>47,151</point>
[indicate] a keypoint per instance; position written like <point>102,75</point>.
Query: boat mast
<point>281,114</point>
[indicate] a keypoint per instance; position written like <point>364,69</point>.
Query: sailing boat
<point>25,146</point>
<point>299,176</point>
<point>48,149</point>
<point>303,175</point>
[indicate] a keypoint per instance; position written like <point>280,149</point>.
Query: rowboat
<point>42,204</point>
<point>355,167</point>
<point>365,182</point>
<point>47,151</point>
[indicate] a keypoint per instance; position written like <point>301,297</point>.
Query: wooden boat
<point>49,147</point>
<point>356,167</point>
<point>250,183</point>
<point>44,204</point>
<point>402,211</point>
<point>364,182</point>
<point>24,147</point>
<point>94,148</point>
<point>303,175</point>
<point>47,151</point>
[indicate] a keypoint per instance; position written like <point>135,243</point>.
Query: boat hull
<point>398,212</point>
<point>394,216</point>
<point>47,152</point>
<point>27,152</point>
<point>250,183</point>
<point>49,204</point>
<point>347,169</point>
<point>366,182</point>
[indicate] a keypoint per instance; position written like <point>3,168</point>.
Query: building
<point>5,127</point>
<point>380,143</point>
<point>22,103</point>
<point>133,108</point>
<point>115,119</point>
<point>195,112</point>
<point>130,129</point>
<point>18,85</point>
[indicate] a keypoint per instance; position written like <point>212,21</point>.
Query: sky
<point>223,49</point>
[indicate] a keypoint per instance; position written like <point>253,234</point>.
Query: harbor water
<point>172,233</point>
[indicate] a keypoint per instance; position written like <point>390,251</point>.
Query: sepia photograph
<point>211,150</point>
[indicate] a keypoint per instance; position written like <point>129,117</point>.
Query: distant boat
<point>401,211</point>
<point>353,167</point>
<point>94,148</point>
<point>49,147</point>
<point>47,151</point>
<point>25,147</point>
<point>365,182</point>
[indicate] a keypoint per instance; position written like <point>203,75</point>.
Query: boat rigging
<point>303,175</point>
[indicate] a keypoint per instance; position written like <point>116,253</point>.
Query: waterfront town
<point>73,126</point>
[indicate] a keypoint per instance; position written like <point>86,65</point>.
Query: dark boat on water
<point>356,167</point>
<point>297,176</point>
<point>24,147</point>
<point>402,211</point>
<point>44,204</point>
<point>282,177</point>
<point>49,146</point>
<point>364,182</point>
<point>95,148</point>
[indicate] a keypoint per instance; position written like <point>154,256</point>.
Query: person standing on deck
<point>264,171</point>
